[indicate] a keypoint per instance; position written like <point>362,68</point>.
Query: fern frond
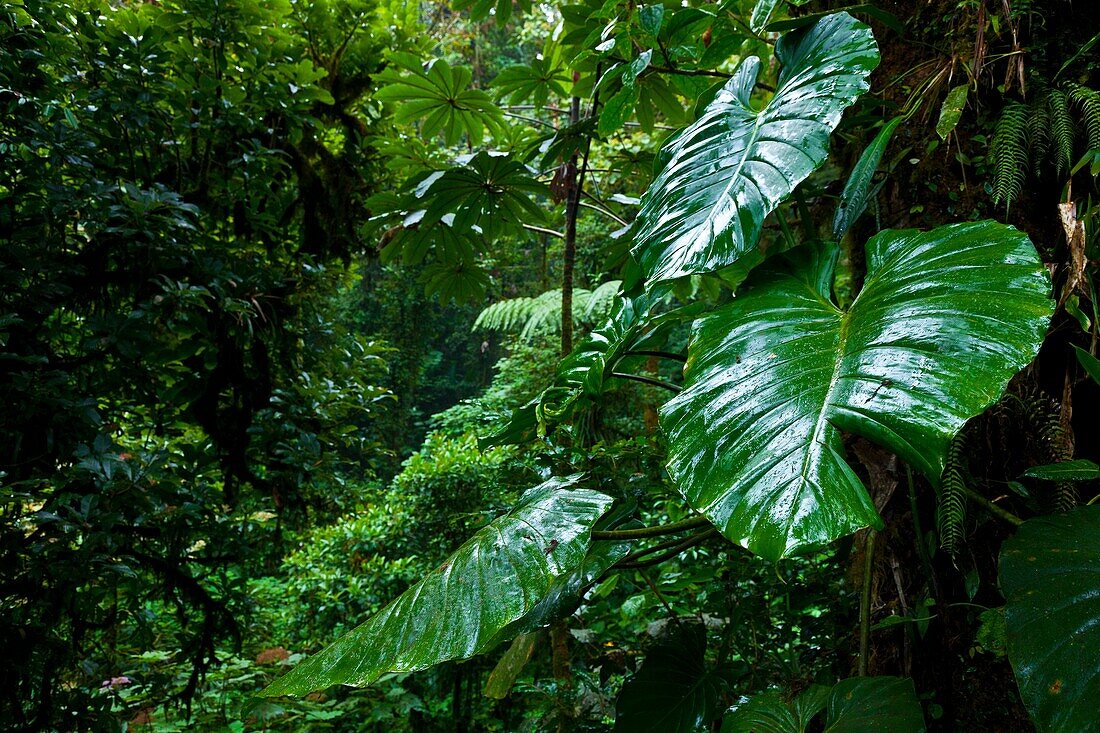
<point>951,512</point>
<point>599,302</point>
<point>1087,102</point>
<point>545,316</point>
<point>1038,130</point>
<point>1061,130</point>
<point>1010,153</point>
<point>1045,418</point>
<point>532,317</point>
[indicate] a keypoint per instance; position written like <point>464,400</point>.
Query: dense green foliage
<point>787,312</point>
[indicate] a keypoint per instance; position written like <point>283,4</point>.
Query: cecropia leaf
<point>944,320</point>
<point>734,165</point>
<point>518,568</point>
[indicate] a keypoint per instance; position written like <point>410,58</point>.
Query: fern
<point>1045,418</point>
<point>1010,153</point>
<point>1087,102</point>
<point>541,314</point>
<point>1061,130</point>
<point>951,513</point>
<point>1027,136</point>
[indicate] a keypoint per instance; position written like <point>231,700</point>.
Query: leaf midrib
<point>822,416</point>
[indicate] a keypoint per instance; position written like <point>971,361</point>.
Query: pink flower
<point>115,682</point>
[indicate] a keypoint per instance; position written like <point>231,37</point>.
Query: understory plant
<point>778,375</point>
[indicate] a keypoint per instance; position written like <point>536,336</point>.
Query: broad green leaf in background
<point>1050,573</point>
<point>438,95</point>
<point>858,190</point>
<point>1079,470</point>
<point>951,110</point>
<point>761,13</point>
<point>732,167</point>
<point>535,80</point>
<point>944,320</point>
<point>862,704</point>
<point>855,705</point>
<point>511,570</point>
<point>511,663</point>
<point>673,692</point>
<point>1089,363</point>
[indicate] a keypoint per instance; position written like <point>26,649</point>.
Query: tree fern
<point>539,315</point>
<point>1010,153</point>
<point>951,513</point>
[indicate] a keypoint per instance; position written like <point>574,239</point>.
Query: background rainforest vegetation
<point>593,365</point>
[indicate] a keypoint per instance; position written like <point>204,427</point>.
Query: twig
<point>643,532</point>
<point>648,380</point>
<point>659,354</point>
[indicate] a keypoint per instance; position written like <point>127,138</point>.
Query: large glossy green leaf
<point>856,705</point>
<point>673,692</point>
<point>1050,573</point>
<point>944,320</point>
<point>508,578</point>
<point>727,171</point>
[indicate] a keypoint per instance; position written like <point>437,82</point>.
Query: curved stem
<point>643,532</point>
<point>659,354</point>
<point>991,507</point>
<point>633,562</point>
<point>648,380</point>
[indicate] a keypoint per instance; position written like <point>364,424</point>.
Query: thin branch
<point>605,212</point>
<point>659,354</point>
<point>991,507</point>
<point>643,532</point>
<point>649,380</point>
<point>689,72</point>
<point>532,120</point>
<point>543,230</point>
<point>628,563</point>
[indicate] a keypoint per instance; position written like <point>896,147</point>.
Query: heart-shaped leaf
<point>727,171</point>
<point>673,692</point>
<point>515,570</point>
<point>944,320</point>
<point>1050,572</point>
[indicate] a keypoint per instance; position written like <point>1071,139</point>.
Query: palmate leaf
<point>508,578</point>
<point>535,81</point>
<point>437,94</point>
<point>944,320</point>
<point>1050,573</point>
<point>727,171</point>
<point>490,193</point>
<point>855,705</point>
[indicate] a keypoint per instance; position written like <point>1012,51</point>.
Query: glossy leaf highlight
<point>727,171</point>
<point>513,571</point>
<point>944,320</point>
